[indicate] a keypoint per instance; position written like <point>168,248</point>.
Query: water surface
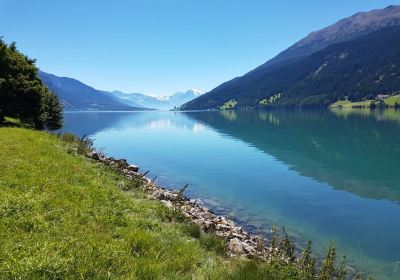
<point>324,175</point>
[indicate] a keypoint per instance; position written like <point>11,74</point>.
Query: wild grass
<point>62,216</point>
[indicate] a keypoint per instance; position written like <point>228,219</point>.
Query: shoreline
<point>239,241</point>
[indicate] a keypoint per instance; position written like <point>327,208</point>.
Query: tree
<point>22,94</point>
<point>51,110</point>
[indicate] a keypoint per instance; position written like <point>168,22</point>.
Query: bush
<point>83,145</point>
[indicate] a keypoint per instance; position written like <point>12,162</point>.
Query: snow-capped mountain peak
<point>160,102</point>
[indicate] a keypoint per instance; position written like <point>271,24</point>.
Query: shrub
<point>83,145</point>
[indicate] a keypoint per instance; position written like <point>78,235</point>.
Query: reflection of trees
<point>229,115</point>
<point>357,154</point>
<point>389,114</point>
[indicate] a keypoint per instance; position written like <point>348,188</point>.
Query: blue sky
<point>161,47</point>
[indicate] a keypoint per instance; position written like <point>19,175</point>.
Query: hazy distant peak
<point>188,94</point>
<point>157,101</point>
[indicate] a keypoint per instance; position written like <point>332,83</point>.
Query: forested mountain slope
<point>356,57</point>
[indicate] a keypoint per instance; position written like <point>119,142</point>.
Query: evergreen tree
<point>22,94</point>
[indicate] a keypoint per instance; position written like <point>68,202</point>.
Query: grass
<point>393,100</point>
<point>63,216</point>
<point>347,104</point>
<point>340,104</point>
<point>14,122</point>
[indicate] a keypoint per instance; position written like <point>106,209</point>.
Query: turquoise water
<point>324,175</point>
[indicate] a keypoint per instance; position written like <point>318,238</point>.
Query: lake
<point>328,176</point>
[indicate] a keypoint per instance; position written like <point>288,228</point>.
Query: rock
<point>235,246</point>
<point>167,203</point>
<point>209,226</point>
<point>93,154</point>
<point>121,163</point>
<point>199,202</point>
<point>198,222</point>
<point>160,196</point>
<point>133,168</point>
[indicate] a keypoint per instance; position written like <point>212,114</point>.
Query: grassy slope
<point>64,217</point>
<point>348,104</point>
<point>392,100</point>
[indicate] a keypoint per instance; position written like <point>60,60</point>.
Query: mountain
<point>158,102</point>
<point>180,98</point>
<point>355,57</point>
<point>142,99</point>
<point>75,95</point>
<point>345,29</point>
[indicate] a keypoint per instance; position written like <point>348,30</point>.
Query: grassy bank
<point>63,216</point>
<point>391,101</point>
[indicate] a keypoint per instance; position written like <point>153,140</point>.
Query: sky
<point>162,47</point>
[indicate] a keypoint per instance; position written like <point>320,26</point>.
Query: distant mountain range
<point>158,102</point>
<point>357,57</point>
<point>76,95</point>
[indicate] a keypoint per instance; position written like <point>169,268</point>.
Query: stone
<point>133,168</point>
<point>207,215</point>
<point>198,222</point>
<point>209,226</point>
<point>235,246</point>
<point>93,154</point>
<point>121,163</point>
<point>167,203</point>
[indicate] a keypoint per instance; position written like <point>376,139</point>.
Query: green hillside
<point>360,68</point>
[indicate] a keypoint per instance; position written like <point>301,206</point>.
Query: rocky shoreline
<point>239,242</point>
